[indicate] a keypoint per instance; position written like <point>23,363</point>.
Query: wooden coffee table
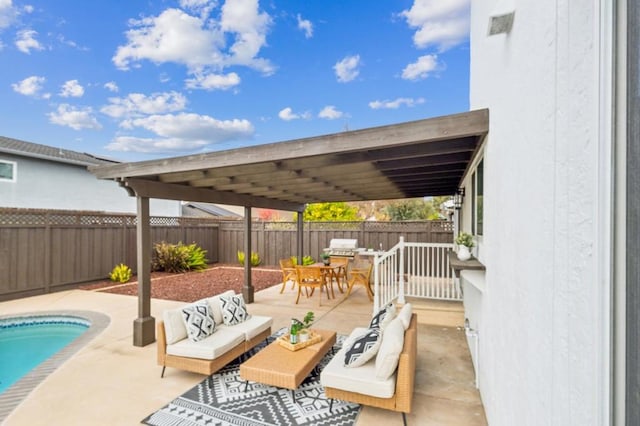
<point>278,366</point>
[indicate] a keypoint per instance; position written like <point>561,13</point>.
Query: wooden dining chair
<point>311,277</point>
<point>341,264</point>
<point>360,275</point>
<point>288,273</point>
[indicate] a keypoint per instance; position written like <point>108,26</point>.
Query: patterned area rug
<point>227,404</point>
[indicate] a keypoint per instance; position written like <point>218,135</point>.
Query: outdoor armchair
<point>288,273</point>
<point>311,277</point>
<point>361,275</point>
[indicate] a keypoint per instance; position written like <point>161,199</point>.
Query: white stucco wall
<point>541,335</point>
<point>42,184</point>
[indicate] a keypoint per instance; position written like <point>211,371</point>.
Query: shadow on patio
<point>112,382</point>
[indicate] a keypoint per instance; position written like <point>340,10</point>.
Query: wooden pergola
<point>420,158</point>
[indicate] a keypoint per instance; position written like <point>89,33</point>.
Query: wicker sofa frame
<point>199,365</point>
<point>403,397</point>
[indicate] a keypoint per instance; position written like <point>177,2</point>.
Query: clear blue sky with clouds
<point>139,80</point>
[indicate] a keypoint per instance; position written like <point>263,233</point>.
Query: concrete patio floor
<point>111,382</point>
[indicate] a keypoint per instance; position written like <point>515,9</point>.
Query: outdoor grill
<point>343,247</point>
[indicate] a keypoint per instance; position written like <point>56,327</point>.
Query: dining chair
<point>360,275</point>
<point>288,273</point>
<point>311,277</point>
<point>340,271</point>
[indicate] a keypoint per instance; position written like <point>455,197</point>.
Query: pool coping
<point>17,392</point>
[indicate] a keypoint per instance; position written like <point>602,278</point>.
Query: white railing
<point>415,270</point>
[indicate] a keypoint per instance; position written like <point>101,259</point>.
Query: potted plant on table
<point>300,329</point>
<point>326,258</point>
<point>464,242</point>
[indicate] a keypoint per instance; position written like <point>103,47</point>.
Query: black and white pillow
<point>199,321</point>
<point>383,317</point>
<point>233,309</point>
<point>363,348</point>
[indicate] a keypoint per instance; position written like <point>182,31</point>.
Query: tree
<point>330,212</point>
<point>411,209</point>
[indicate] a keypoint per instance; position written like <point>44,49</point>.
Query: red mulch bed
<point>192,286</point>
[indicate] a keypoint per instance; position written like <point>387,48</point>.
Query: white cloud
<point>71,88</point>
<point>199,42</point>
<point>287,114</point>
<point>347,68</point>
<point>421,68</point>
<point>8,13</point>
<point>330,113</point>
<point>396,103</point>
<point>306,26</point>
<point>30,86</point>
<point>136,104</point>
<point>180,132</point>
<point>203,7</point>
<point>74,117</point>
<point>443,24</point>
<point>26,41</point>
<point>213,81</point>
<point>111,86</point>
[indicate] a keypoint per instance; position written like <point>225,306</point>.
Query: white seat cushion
<point>253,326</point>
<point>390,349</point>
<point>360,380</point>
<point>219,343</point>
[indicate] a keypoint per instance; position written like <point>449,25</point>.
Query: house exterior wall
<point>42,184</point>
<point>543,338</point>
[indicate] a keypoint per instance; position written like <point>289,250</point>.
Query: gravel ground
<point>192,286</point>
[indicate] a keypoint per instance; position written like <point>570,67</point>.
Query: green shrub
<point>120,273</point>
<point>178,257</point>
<point>255,258</point>
<point>306,260</point>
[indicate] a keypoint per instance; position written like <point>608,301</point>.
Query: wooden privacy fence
<point>43,251</point>
<point>277,240</point>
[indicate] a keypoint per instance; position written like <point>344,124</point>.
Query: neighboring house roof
<point>44,152</point>
<point>212,209</point>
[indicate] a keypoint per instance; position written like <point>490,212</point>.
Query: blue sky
<point>137,80</point>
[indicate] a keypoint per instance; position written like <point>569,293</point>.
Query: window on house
<point>477,195</point>
<point>7,171</point>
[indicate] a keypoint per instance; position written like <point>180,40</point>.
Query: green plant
<point>120,273</point>
<point>465,239</point>
<point>178,257</point>
<point>297,325</point>
<point>325,256</point>
<point>255,258</point>
<point>306,260</point>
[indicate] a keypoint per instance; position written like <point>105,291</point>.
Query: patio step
<point>438,312</point>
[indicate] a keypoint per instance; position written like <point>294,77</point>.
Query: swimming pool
<point>27,341</point>
<point>14,394</point>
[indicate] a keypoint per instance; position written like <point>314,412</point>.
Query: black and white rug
<point>227,404</point>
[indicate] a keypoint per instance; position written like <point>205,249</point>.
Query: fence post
<point>401,283</point>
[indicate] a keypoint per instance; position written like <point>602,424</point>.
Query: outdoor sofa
<point>206,356</point>
<point>386,380</point>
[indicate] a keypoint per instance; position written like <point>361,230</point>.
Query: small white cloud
<point>213,81</point>
<point>422,68</point>
<point>27,8</point>
<point>181,132</point>
<point>111,86</point>
<point>330,113</point>
<point>71,88</point>
<point>306,26</point>
<point>75,117</point>
<point>287,114</point>
<point>443,24</point>
<point>396,103</point>
<point>8,13</point>
<point>137,104</point>
<point>347,69</point>
<point>26,41</point>
<point>30,86</point>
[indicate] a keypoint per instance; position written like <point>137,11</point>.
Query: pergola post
<point>144,325</point>
<point>247,289</point>
<point>300,236</point>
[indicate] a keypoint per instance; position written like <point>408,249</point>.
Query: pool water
<point>27,342</point>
